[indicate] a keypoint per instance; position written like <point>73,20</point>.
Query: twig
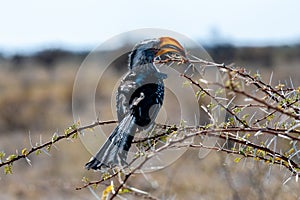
<point>52,141</point>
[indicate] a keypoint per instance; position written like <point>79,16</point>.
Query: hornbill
<point>139,98</point>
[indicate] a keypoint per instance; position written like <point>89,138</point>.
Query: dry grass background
<point>36,95</point>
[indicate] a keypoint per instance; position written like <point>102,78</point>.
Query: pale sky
<point>33,24</point>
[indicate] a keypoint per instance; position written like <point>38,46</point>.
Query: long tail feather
<point>115,149</point>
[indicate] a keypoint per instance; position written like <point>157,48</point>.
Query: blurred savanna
<point>36,101</point>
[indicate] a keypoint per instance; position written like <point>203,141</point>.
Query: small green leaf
<point>163,138</point>
<point>270,117</point>
<point>237,160</point>
<point>72,128</point>
<point>54,137</point>
<point>231,121</point>
<point>280,86</point>
<point>75,135</point>
<point>219,91</point>
<point>68,130</point>
<point>186,83</point>
<point>85,179</point>
<point>105,176</point>
<point>109,189</point>
<point>242,152</point>
<point>48,148</point>
<point>95,186</point>
<point>8,169</point>
<point>260,153</point>
<point>24,152</point>
<point>38,152</point>
<point>247,135</point>
<point>200,94</point>
<point>91,129</point>
<point>211,105</point>
<point>207,126</point>
<point>11,157</point>
<point>124,190</point>
<point>257,76</point>
<point>245,116</point>
<point>2,155</point>
<point>237,110</point>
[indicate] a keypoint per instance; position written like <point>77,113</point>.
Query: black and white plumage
<point>139,99</point>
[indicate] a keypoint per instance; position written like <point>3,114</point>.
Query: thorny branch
<point>71,131</point>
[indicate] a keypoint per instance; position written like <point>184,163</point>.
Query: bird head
<point>147,50</point>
